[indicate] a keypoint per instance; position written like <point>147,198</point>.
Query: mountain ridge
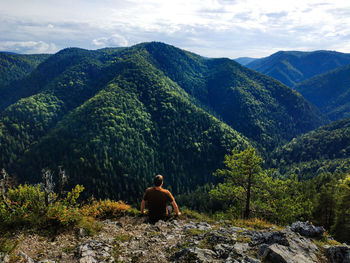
<point>292,67</point>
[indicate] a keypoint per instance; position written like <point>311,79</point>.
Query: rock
<point>242,260</point>
<point>194,255</point>
<point>277,253</point>
<point>269,238</point>
<point>223,250</point>
<point>26,257</point>
<point>4,258</point>
<point>241,248</point>
<point>338,254</point>
<point>94,251</point>
<point>307,229</point>
<point>217,237</point>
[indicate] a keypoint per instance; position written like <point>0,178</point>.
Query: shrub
<point>105,209</point>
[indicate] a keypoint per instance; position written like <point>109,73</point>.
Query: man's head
<point>158,180</point>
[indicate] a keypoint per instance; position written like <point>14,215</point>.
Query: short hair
<point>158,180</point>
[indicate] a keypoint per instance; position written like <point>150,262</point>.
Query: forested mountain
<point>244,60</point>
<point>293,67</point>
<point>330,92</point>
<point>259,107</point>
<point>115,117</point>
<point>15,66</point>
<point>326,149</point>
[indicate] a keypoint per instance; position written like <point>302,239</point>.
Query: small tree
<point>341,227</point>
<point>242,175</point>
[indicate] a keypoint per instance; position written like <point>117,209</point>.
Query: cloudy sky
<point>212,28</point>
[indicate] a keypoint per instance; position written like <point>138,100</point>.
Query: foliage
<point>105,209</point>
<point>323,150</point>
<point>341,227</point>
<point>242,175</point>
<point>329,92</point>
<point>115,117</point>
<point>247,188</point>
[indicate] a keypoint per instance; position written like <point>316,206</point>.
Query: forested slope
<point>325,149</point>
<point>259,107</point>
<point>330,92</point>
<point>115,117</point>
<point>293,67</point>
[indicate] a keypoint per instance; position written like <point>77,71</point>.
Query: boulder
<point>307,229</point>
<point>338,254</point>
<point>269,238</point>
<point>277,253</point>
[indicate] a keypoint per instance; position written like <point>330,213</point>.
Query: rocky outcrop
<point>307,229</point>
<point>131,239</point>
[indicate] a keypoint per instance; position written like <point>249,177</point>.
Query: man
<point>157,199</point>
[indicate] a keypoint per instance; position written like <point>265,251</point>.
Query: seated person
<point>157,200</point>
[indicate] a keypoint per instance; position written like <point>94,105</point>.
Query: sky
<point>211,28</point>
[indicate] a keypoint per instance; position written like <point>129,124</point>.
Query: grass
<point>194,232</point>
<point>193,215</point>
<point>254,224</point>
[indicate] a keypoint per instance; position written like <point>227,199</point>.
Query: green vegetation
<point>116,117</point>
<point>14,66</point>
<point>293,67</point>
<point>249,191</point>
<point>329,92</point>
<point>323,150</point>
<point>38,207</point>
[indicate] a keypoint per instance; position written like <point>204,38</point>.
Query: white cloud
<point>221,27</point>
<point>28,47</point>
<point>114,40</point>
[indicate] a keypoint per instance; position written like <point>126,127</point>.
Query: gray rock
<point>306,229</point>
<point>241,248</point>
<point>338,254</point>
<point>275,237</point>
<point>277,253</point>
<point>94,251</point>
<point>194,255</point>
<point>223,250</point>
<point>242,260</point>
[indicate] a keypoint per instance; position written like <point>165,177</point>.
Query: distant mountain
<point>293,67</point>
<point>330,92</point>
<point>115,117</point>
<point>326,149</point>
<point>244,60</point>
<point>14,66</point>
<point>257,106</point>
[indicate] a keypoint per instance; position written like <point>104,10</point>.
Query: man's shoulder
<point>149,189</point>
<point>167,192</point>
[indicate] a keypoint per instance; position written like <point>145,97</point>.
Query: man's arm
<point>176,208</point>
<point>143,206</point>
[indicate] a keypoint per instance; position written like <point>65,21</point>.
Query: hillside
<point>14,66</point>
<point>293,67</point>
<point>244,60</point>
<point>257,106</point>
<point>325,149</point>
<point>115,117</point>
<point>114,138</point>
<point>330,92</point>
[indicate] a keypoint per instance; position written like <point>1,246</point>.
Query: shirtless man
<point>157,199</point>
